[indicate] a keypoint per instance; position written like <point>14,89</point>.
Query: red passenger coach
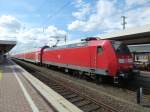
<point>103,58</point>
<point>30,55</point>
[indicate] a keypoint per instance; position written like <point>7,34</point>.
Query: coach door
<point>36,57</point>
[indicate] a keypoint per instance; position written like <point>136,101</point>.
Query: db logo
<point>58,56</point>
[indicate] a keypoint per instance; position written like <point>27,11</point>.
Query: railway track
<point>81,100</point>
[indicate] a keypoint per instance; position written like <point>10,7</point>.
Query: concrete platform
<point>11,96</point>
<point>145,74</point>
<point>18,94</point>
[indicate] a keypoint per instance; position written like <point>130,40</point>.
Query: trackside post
<point>140,95</point>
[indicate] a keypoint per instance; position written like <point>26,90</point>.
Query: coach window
<point>99,49</point>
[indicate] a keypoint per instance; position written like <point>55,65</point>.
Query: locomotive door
<point>100,58</point>
<point>93,56</point>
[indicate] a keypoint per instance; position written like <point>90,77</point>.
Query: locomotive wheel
<point>98,79</point>
<point>66,70</point>
<point>81,75</point>
<point>74,73</point>
<point>77,74</point>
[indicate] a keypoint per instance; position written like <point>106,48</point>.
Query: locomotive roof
<point>77,44</point>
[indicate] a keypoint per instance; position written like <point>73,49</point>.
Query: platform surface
<point>13,98</point>
<point>145,74</point>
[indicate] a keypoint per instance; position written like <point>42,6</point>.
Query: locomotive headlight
<point>122,74</point>
<point>121,60</point>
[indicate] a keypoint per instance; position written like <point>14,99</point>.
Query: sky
<point>34,23</point>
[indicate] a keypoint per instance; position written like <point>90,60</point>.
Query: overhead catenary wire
<point>56,13</point>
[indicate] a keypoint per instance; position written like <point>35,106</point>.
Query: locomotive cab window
<point>99,49</point>
<point>121,48</point>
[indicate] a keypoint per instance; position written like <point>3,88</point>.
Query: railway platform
<point>21,92</point>
<point>145,74</point>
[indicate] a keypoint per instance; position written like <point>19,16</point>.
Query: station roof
<point>138,35</point>
<point>6,46</point>
<point>140,48</point>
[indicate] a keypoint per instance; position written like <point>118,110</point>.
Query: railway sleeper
<point>82,103</point>
<point>66,93</point>
<point>76,99</point>
<point>53,84</point>
<point>57,87</point>
<point>71,96</point>
<point>101,110</point>
<point>63,92</point>
<point>89,108</point>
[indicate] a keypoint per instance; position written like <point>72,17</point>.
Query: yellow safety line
<point>1,74</point>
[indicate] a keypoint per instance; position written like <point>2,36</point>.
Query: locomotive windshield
<point>121,48</point>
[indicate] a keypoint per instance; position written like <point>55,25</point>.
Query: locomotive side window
<point>99,49</point>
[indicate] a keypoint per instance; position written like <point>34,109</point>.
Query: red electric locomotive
<point>93,56</point>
